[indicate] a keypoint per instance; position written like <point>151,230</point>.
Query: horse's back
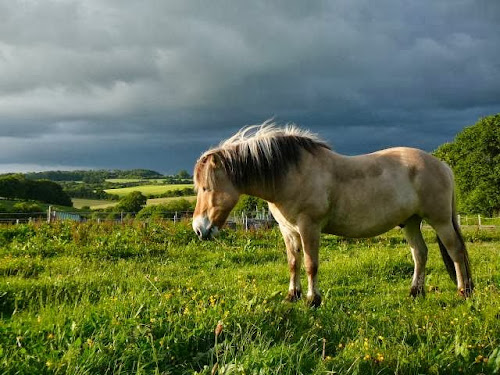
<point>375,192</point>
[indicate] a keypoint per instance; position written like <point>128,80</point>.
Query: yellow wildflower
<point>380,357</point>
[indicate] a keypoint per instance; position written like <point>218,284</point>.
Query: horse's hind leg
<point>294,256</point>
<point>419,251</point>
<point>452,240</point>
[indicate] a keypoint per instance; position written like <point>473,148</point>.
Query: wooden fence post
<point>49,214</point>
<point>479,220</point>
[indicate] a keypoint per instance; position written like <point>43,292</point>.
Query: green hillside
<point>148,189</point>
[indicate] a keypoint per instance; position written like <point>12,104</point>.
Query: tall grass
<point>134,299</point>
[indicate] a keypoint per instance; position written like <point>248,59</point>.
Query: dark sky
<point>151,84</point>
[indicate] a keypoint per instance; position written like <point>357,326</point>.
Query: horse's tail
<point>448,262</point>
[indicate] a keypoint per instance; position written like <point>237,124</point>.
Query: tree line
<point>92,176</point>
<point>17,186</point>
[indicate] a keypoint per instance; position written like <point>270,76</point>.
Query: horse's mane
<point>257,154</point>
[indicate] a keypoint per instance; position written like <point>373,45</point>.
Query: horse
<point>311,189</point>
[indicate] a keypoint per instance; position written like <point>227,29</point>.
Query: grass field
<point>148,189</point>
<point>97,203</point>
<point>133,299</point>
<point>166,200</point>
<point>92,203</point>
<point>127,180</point>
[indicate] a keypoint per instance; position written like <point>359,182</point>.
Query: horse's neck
<point>259,191</point>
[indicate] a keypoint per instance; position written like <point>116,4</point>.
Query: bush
<point>249,204</point>
<point>26,207</point>
<point>132,202</point>
<point>166,210</point>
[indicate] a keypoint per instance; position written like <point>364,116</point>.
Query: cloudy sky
<point>151,84</point>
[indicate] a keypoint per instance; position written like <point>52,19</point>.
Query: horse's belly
<point>356,231</point>
<point>371,219</point>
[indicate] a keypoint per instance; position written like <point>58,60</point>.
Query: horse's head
<point>216,196</point>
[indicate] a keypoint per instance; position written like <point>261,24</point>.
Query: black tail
<point>450,266</point>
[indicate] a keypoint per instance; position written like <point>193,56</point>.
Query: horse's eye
<point>204,188</point>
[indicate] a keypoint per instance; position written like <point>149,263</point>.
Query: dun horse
<point>311,189</point>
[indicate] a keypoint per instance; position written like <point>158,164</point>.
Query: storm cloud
<point>127,84</point>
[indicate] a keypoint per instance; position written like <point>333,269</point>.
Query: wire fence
<point>247,220</point>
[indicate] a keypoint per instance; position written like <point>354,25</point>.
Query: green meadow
<point>96,204</point>
<point>88,298</point>
<point>127,180</point>
<point>148,189</point>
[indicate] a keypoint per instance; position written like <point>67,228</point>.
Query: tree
<point>183,175</point>
<point>18,187</point>
<point>132,202</point>
<point>166,210</point>
<point>474,156</point>
<point>47,191</point>
<point>249,204</point>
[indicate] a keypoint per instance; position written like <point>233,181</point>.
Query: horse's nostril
<point>198,232</point>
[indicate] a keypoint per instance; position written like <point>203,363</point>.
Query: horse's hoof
<point>293,296</point>
<point>466,292</point>
<point>416,291</point>
<point>314,301</point>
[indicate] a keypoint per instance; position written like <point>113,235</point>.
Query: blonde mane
<point>257,154</point>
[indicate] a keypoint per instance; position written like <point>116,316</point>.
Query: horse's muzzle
<point>204,229</point>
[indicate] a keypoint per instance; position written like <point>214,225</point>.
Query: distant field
<point>148,189</point>
<point>95,204</point>
<point>92,203</point>
<point>9,204</point>
<point>127,180</point>
<point>154,201</point>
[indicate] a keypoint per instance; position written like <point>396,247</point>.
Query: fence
<point>247,220</point>
<point>478,220</point>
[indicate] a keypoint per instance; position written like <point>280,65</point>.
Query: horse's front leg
<point>310,236</point>
<point>294,256</point>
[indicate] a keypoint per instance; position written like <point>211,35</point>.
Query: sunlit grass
<point>148,189</point>
<point>92,203</point>
<point>108,298</point>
